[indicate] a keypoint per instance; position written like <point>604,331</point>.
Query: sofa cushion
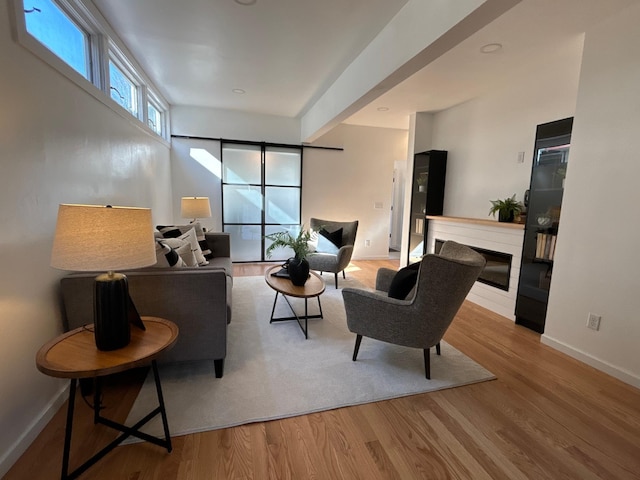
<point>175,231</point>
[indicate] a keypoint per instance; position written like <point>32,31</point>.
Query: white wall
<point>234,125</point>
<point>483,136</point>
<point>597,260</point>
<point>58,144</point>
<point>196,171</point>
<point>347,185</point>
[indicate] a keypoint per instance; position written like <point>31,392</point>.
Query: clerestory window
<point>73,38</point>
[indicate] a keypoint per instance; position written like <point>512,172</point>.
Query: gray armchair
<point>333,261</point>
<point>421,320</point>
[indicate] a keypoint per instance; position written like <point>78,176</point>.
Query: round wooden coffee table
<point>283,286</point>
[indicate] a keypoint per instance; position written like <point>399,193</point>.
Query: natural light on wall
<point>208,161</point>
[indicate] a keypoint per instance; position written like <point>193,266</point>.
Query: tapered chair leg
<point>336,276</point>
<point>357,347</point>
<point>438,348</point>
<point>427,364</point>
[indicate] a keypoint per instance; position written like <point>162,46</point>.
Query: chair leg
<point>336,275</point>
<point>344,275</point>
<point>427,365</point>
<point>438,348</point>
<point>357,347</point>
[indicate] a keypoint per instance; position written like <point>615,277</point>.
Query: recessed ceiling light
<point>245,2</point>
<point>383,109</point>
<point>491,47</point>
<point>239,91</point>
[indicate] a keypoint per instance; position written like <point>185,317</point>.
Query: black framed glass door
<point>261,194</point>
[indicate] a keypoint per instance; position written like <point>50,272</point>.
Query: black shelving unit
<point>550,159</point>
<point>427,197</point>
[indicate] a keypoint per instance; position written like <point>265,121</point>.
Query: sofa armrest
<point>196,300</point>
<point>219,243</point>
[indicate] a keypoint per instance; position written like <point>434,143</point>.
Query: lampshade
<point>195,207</point>
<point>98,238</point>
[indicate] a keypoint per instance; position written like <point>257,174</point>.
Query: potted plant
<point>298,266</point>
<point>507,209</point>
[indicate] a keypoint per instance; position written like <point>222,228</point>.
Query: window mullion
<point>99,49</point>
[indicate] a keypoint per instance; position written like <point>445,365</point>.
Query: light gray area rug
<point>272,372</point>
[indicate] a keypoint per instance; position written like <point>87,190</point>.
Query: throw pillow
<point>333,237</point>
<point>404,281</point>
<point>175,231</point>
<point>329,242</point>
<point>167,256</point>
<point>190,237</point>
<point>184,249</point>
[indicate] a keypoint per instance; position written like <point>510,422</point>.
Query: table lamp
<point>98,238</point>
<point>195,207</point>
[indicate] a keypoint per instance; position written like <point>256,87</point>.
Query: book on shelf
<point>545,246</point>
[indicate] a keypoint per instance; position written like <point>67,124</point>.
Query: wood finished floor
<point>546,416</point>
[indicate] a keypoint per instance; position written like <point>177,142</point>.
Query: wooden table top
<point>74,354</point>
<point>313,287</point>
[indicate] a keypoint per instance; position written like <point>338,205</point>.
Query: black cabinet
<point>550,159</point>
<point>427,197</point>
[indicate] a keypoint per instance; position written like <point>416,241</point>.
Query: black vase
<point>298,271</point>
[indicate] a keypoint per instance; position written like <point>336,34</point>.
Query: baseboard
<point>616,372</point>
<point>373,257</point>
<point>22,443</point>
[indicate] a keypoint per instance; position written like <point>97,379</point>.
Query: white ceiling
<point>285,53</point>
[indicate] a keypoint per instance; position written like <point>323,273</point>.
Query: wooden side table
<point>74,355</point>
<point>283,286</point>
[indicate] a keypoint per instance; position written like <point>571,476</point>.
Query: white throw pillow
<point>183,247</point>
<point>167,256</point>
<point>190,236</point>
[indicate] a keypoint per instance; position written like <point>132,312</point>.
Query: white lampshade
<point>195,207</point>
<point>99,238</point>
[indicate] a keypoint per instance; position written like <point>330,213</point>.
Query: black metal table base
<point>306,317</point>
<point>127,431</point>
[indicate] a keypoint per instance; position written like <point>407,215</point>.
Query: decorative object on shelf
<point>96,238</point>
<point>297,266</point>
<point>543,220</point>
<point>195,207</point>
<point>422,182</point>
<point>507,209</point>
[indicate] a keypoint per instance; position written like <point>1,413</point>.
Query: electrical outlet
<point>520,157</point>
<point>593,321</point>
<point>367,243</point>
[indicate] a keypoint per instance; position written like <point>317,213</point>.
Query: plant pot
<point>298,271</point>
<point>505,216</point>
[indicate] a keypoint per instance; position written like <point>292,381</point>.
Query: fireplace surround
<point>496,272</point>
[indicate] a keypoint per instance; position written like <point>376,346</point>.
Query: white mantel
<point>490,235</point>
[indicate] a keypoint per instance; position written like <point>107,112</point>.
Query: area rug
<point>272,372</point>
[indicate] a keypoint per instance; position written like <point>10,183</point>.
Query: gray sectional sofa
<point>196,299</point>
